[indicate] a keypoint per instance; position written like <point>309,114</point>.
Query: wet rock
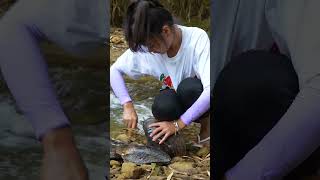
<point>113,151</point>
<point>123,138</point>
<point>128,166</point>
<point>121,176</point>
<point>114,163</point>
<point>184,166</point>
<point>131,170</point>
<point>203,152</point>
<point>116,40</point>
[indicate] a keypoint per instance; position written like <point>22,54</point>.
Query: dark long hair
<point>144,20</point>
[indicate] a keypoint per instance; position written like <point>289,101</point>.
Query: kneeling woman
<point>178,56</point>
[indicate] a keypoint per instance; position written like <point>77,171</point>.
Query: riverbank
<point>196,163</point>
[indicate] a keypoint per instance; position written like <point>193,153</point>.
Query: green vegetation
<point>191,12</point>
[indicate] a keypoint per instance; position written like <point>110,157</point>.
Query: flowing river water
<point>21,153</point>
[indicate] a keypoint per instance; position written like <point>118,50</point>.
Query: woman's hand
<point>165,129</point>
<point>130,117</point>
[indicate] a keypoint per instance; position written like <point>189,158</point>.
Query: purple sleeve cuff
<point>198,108</point>
<point>118,85</point>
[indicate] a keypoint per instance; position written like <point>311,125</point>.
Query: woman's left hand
<point>164,128</point>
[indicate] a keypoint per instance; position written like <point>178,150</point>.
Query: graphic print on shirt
<point>166,82</point>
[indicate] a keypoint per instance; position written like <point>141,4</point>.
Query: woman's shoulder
<point>193,35</point>
<point>141,55</point>
<point>192,30</point>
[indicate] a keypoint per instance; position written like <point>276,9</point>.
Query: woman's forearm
<point>25,72</point>
<point>118,85</point>
<point>198,108</point>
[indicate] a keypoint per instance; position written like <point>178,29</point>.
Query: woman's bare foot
<point>61,158</point>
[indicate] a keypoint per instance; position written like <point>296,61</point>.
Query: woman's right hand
<point>130,117</point>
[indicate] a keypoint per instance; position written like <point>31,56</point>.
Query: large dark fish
<point>114,151</point>
<point>150,153</point>
<point>138,154</point>
<point>144,155</point>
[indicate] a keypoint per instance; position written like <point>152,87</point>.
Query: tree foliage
<point>190,12</point>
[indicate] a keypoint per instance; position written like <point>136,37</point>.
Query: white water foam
<point>143,109</point>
